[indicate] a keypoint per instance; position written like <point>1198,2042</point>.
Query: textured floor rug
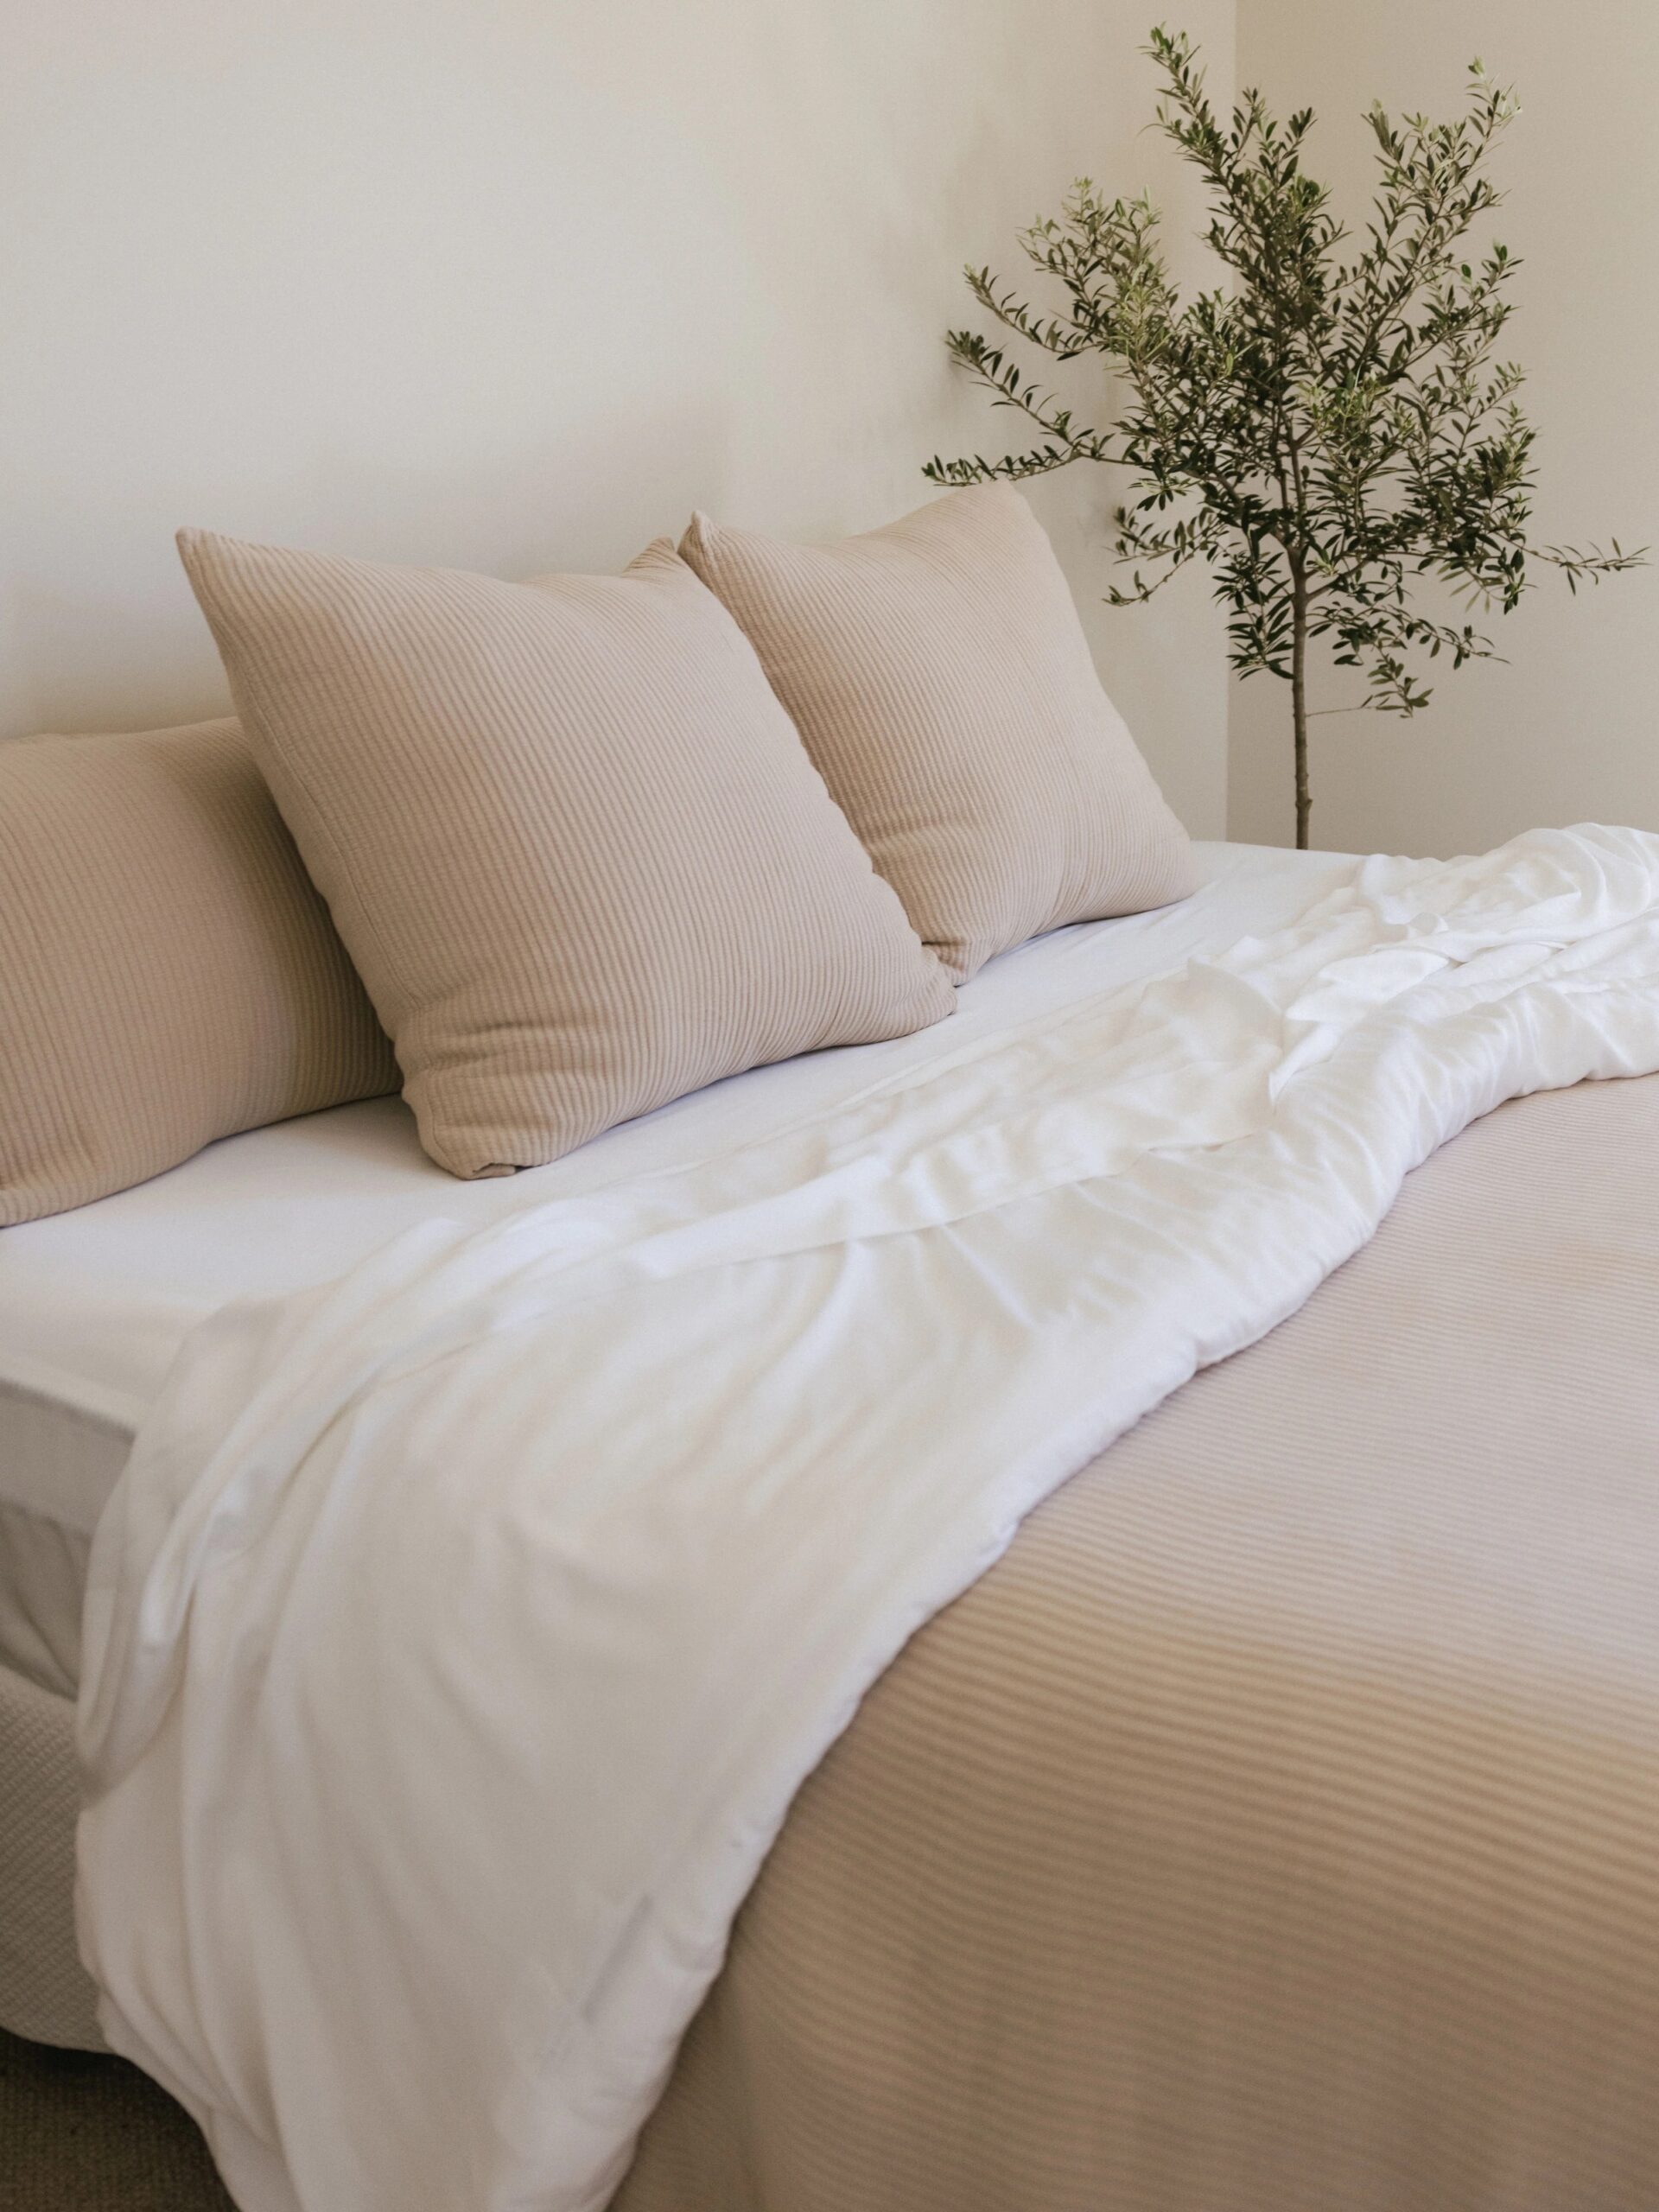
<point>86,2134</point>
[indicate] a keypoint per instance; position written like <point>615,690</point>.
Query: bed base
<point>45,1994</point>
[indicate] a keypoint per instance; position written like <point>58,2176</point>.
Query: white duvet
<point>459,1632</point>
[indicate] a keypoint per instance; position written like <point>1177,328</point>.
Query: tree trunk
<point>1298,696</point>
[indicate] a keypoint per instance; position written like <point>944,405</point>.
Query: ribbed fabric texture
<point>570,837</point>
<point>940,676</point>
<point>168,975</point>
<point>44,1991</point>
<point>1273,1828</point>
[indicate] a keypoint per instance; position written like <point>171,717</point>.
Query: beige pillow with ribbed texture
<point>168,975</point>
<point>940,676</point>
<point>570,837</point>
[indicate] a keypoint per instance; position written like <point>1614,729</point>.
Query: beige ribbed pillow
<point>940,676</point>
<point>568,835</point>
<point>168,975</point>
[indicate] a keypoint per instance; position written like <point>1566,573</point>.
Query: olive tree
<point>1330,428</point>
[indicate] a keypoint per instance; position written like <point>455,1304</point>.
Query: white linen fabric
<point>459,1632</point>
<point>94,1304</point>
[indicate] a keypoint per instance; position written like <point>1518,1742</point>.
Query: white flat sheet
<point>95,1304</point>
<point>587,1530</point>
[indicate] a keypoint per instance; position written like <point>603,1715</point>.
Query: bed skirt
<point>45,1993</point>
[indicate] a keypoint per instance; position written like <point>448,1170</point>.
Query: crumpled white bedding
<point>460,1631</point>
<point>94,1304</point>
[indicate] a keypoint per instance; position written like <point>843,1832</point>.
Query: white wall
<point>514,284</point>
<point>1566,731</point>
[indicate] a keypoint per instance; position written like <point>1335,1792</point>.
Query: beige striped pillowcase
<point>168,975</point>
<point>940,676</point>
<point>568,835</point>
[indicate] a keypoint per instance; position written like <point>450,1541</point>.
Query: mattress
<point>95,1304</point>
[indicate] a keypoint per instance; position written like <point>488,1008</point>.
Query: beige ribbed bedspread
<point>1276,1828</point>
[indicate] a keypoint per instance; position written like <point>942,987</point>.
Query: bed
<point>1271,1826</point>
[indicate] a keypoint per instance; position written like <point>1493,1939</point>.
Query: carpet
<point>80,2133</point>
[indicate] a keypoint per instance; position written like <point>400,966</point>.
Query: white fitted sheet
<point>95,1304</point>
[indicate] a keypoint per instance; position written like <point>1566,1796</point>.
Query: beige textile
<point>1273,1828</point>
<point>1276,1828</point>
<point>45,1993</point>
<point>168,975</point>
<point>940,676</point>
<point>569,836</point>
